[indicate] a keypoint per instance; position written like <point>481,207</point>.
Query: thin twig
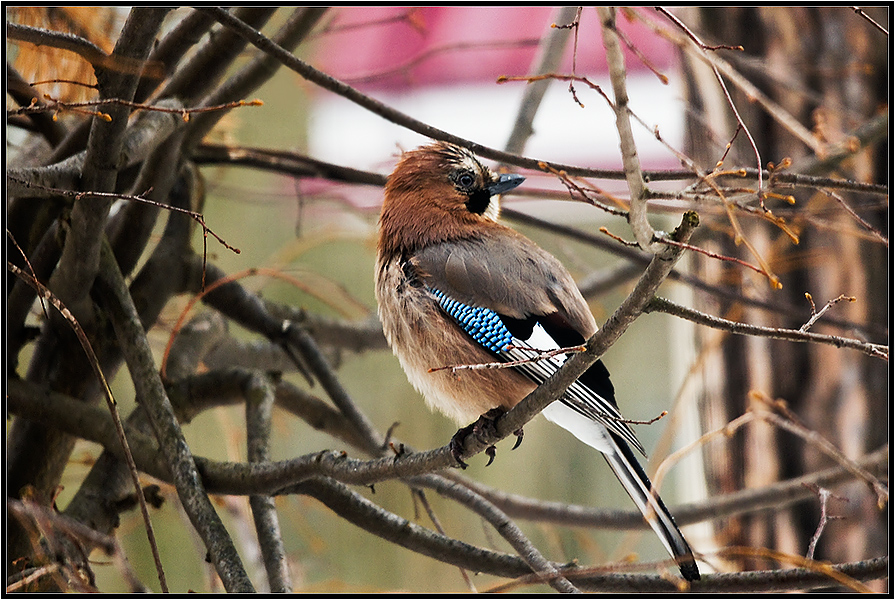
<point>711,254</point>
<point>873,230</point>
<point>643,58</point>
<point>550,53</point>
<point>558,77</point>
<point>619,238</point>
<point>784,421</point>
<point>823,495</point>
<point>575,26</point>
<point>31,577</point>
<point>420,495</point>
<point>77,195</point>
<point>406,67</point>
<point>410,17</point>
<point>54,105</point>
<point>542,355</point>
<point>34,277</point>
<point>861,13</point>
<point>571,186</point>
<point>141,198</point>
<point>818,314</point>
<point>543,569</point>
<point>826,570</point>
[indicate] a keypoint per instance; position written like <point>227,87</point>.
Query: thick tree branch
<point>220,389</point>
<point>550,53</point>
<point>250,77</point>
<point>544,570</point>
<point>37,454</point>
<point>259,405</point>
<point>148,386</point>
<point>64,41</point>
<point>637,216</point>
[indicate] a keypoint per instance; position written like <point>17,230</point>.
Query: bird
<point>456,287</point>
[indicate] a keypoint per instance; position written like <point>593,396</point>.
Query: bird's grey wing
<point>508,274</point>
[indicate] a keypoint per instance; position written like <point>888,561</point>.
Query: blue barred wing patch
<point>481,324</point>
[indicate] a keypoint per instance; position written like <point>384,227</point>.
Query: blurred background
<point>441,65</point>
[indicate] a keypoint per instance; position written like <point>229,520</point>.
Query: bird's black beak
<point>505,183</point>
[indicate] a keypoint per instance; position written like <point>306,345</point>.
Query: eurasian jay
<point>455,287</point>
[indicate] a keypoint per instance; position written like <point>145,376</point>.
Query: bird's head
<point>439,192</point>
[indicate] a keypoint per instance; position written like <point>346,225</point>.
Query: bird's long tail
<point>632,477</point>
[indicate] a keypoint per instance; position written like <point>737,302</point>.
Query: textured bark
<point>827,67</point>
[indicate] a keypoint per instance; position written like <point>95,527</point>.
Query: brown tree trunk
<point>827,68</point>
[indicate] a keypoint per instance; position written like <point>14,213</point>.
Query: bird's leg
<point>482,429</point>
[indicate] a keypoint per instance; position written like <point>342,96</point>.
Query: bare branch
<point>815,315</point>
<point>550,53</point>
<point>541,355</point>
<point>637,217</point>
<point>544,571</point>
<point>666,306</point>
<point>57,39</point>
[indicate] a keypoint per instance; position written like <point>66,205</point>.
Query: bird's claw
<point>518,433</point>
<point>483,429</point>
<point>456,445</point>
<point>491,451</point>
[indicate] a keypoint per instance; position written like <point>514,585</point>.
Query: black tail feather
<point>635,481</point>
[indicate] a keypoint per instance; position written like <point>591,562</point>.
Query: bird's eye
<point>466,180</point>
